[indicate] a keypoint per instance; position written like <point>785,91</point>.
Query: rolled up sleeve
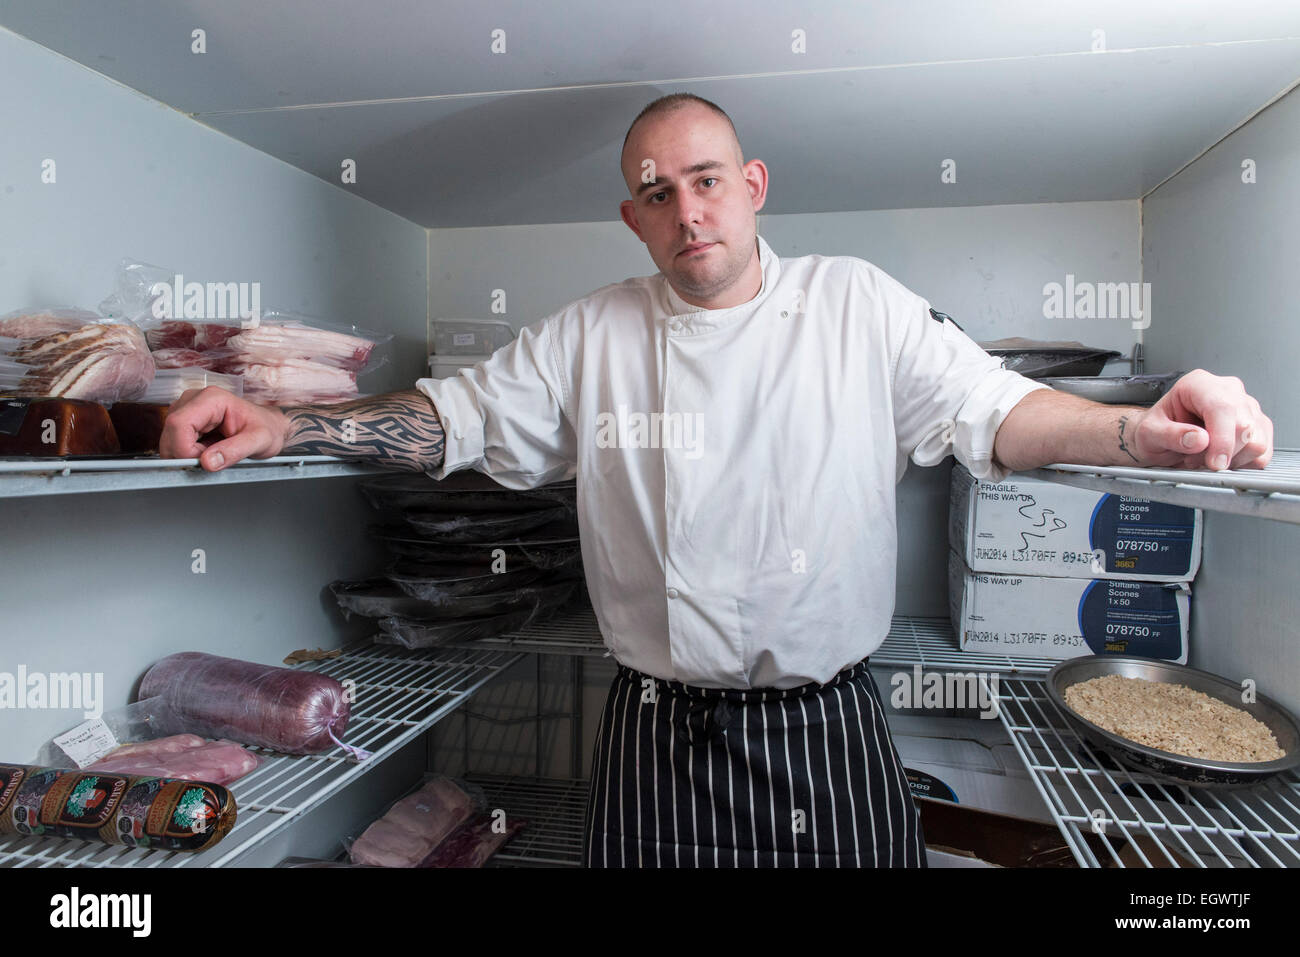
<point>506,416</point>
<point>950,396</point>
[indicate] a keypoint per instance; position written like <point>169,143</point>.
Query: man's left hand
<point>1205,421</point>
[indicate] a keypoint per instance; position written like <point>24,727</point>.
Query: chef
<point>737,424</point>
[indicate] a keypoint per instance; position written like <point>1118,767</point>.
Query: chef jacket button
<point>784,314</point>
<point>673,593</point>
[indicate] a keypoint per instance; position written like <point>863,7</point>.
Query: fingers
<point>1256,445</point>
<point>195,413</point>
<point>1239,434</point>
<point>250,442</point>
<point>1163,438</point>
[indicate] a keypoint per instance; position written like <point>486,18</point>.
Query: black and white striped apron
<point>701,777</point>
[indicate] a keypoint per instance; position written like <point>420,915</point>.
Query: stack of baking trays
<point>471,559</point>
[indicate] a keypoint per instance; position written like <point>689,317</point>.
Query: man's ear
<point>755,172</point>
<point>628,210</point>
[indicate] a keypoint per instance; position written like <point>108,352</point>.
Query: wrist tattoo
<point>399,430</point>
<point>1123,445</point>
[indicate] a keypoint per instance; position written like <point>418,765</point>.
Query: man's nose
<point>690,210</point>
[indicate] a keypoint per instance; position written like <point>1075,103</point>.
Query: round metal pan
<point>548,555</point>
<point>430,634</point>
<point>453,528</point>
<point>1037,363</point>
<point>1144,390</point>
<point>1163,765</point>
<point>380,598</point>
<point>437,582</point>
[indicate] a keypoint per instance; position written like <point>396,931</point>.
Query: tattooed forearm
<point>1123,445</point>
<point>399,430</point>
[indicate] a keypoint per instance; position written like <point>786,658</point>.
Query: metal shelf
<point>1180,826</point>
<point>1272,492</point>
<point>23,476</point>
<point>572,632</point>
<point>554,808</point>
<point>931,643</point>
<point>399,695</point>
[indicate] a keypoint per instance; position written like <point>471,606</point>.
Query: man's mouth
<point>695,248</point>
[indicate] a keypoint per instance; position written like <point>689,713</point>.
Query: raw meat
<point>274,343</point>
<point>471,844</point>
<point>181,358</point>
<point>80,428</point>
<point>184,756</point>
<point>197,336</point>
<point>168,745</point>
<point>99,361</point>
<point>414,826</point>
<point>36,325</point>
<point>285,709</point>
<point>292,381</point>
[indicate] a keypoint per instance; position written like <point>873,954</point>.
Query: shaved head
<point>673,103</point>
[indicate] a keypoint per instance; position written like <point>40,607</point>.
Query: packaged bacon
<point>72,354</point>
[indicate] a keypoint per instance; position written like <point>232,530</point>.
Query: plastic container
<point>444,367</point>
<point>470,337</point>
<point>169,384</point>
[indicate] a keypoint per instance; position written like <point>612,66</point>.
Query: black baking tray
<point>472,493</point>
<point>431,634</point>
<point>453,528</point>
<point>439,581</point>
<point>380,598</point>
<point>550,555</point>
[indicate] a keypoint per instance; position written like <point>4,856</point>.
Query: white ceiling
<point>446,133</point>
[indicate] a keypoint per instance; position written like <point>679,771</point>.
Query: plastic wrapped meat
<point>179,358</point>
<point>292,381</point>
<point>285,709</point>
<point>413,826</point>
<point>276,342</point>
<point>97,361</point>
<point>471,844</point>
<point>185,757</point>
<point>144,812</point>
<point>196,336</point>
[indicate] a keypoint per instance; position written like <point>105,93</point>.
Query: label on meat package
<point>11,776</point>
<point>82,801</point>
<point>87,743</point>
<point>143,812</point>
<point>13,411</point>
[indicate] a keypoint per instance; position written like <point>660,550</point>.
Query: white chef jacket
<point>749,539</point>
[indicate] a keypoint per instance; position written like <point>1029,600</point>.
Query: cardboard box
<point>966,761</point>
<point>1026,526</point>
<point>1044,617</point>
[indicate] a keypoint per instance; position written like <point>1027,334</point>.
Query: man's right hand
<point>248,430</point>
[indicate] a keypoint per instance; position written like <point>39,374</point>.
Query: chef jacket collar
<point>697,319</point>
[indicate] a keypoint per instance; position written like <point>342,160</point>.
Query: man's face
<point>697,218</point>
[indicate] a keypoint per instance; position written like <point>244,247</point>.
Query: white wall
<point>102,583</point>
<point>1221,257</point>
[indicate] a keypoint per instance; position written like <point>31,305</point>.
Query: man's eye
<point>654,196</point>
<point>709,179</point>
